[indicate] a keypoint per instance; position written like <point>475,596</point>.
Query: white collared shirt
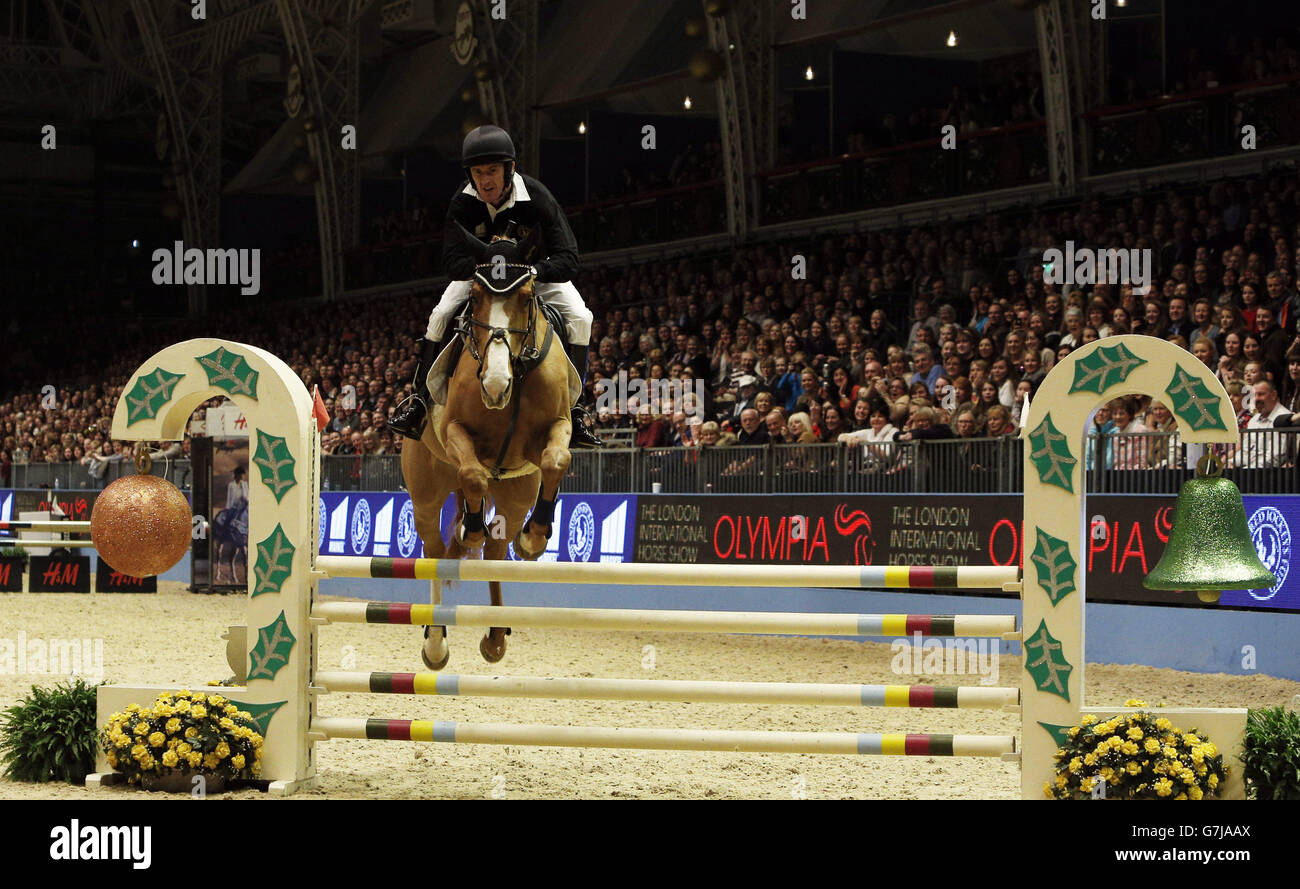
<point>518,192</point>
<point>1264,449</point>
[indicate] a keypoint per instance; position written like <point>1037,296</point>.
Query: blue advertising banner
<point>588,527</point>
<point>1272,522</point>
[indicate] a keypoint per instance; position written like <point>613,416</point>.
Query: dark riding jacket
<point>532,206</point>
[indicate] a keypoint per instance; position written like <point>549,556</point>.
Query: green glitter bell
<point>1209,548</point>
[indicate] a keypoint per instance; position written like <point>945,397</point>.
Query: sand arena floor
<point>173,638</point>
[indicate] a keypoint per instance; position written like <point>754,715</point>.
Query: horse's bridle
<point>522,362</point>
<point>528,355</point>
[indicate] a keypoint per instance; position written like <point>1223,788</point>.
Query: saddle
<point>445,364</point>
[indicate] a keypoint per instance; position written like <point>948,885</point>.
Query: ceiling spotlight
<point>952,38</point>
<point>686,103</point>
<point>582,128</point>
<point>808,75</point>
<point>1121,3</point>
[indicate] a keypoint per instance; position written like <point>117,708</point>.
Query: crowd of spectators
<point>933,332</point>
<point>825,358</point>
<point>1012,99</point>
<point>1238,60</point>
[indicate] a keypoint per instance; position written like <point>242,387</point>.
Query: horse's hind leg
<point>531,540</point>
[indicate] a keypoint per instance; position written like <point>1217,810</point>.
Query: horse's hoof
<point>491,650</point>
<point>523,550</point>
<point>446,651</point>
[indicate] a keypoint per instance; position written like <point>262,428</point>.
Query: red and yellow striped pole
<point>736,741</point>
<point>984,577</point>
<point>772,622</point>
<point>673,690</point>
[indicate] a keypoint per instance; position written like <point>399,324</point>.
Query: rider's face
<point>490,181</point>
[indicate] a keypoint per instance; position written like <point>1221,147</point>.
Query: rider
<point>495,196</point>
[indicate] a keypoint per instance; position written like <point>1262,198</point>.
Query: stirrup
<point>403,425</point>
<point>581,437</point>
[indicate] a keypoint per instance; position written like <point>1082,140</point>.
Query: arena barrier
<point>283,614</point>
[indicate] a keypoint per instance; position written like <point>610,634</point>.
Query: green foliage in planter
<point>50,735</point>
<point>1272,754</point>
<point>13,552</point>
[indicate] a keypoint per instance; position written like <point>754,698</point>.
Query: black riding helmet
<point>488,144</point>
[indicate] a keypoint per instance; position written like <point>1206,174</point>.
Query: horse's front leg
<point>472,477</point>
<point>531,541</point>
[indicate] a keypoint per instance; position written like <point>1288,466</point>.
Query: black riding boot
<point>581,437</point>
<point>409,418</point>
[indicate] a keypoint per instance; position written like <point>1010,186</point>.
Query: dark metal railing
<point>1264,462</point>
<point>1000,157</point>
<point>1192,125</point>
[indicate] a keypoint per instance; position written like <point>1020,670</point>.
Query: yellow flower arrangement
<point>1135,756</point>
<point>181,732</point>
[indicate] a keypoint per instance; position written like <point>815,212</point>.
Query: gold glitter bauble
<point>141,525</point>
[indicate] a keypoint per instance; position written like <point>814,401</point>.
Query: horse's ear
<point>476,247</point>
<point>534,239</point>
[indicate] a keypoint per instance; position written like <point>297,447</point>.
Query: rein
<point>522,362</point>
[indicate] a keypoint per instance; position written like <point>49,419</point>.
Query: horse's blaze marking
<point>496,363</point>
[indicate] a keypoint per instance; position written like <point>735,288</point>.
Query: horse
<point>499,428</point>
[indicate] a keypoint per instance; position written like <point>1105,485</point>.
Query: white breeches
<point>564,296</point>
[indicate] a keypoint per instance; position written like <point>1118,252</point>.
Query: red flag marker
<point>318,409</point>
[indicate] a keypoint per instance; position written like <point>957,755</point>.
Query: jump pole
<point>628,619</point>
<point>68,527</point>
<point>54,543</point>
<point>734,741</point>
<point>983,577</point>
<point>672,690</point>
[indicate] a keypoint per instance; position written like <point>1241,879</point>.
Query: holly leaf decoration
<point>274,563</point>
<point>230,371</point>
<point>1056,567</point>
<point>1060,733</point>
<point>1193,401</point>
<point>274,460</point>
<point>1051,455</point>
<point>1103,368</point>
<point>1050,671</point>
<point>271,653</point>
<point>149,394</point>
<point>261,713</point>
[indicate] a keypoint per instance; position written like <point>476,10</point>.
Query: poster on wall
<point>228,509</point>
